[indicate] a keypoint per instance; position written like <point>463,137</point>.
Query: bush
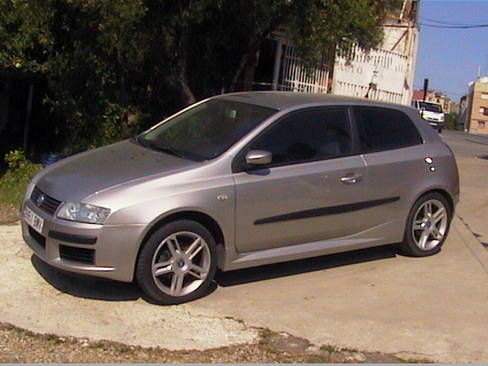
<point>15,180</point>
<point>451,120</point>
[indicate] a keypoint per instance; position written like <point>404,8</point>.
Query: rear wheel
<point>427,225</point>
<point>177,263</point>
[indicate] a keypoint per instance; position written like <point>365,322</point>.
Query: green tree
<point>114,65</point>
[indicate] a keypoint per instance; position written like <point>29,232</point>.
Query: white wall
<point>391,67</point>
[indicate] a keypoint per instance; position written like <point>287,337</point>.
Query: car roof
<point>283,100</point>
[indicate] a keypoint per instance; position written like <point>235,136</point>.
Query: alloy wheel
<point>181,263</point>
<point>430,224</point>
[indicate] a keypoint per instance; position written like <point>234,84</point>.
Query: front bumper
<point>108,251</point>
<point>436,125</point>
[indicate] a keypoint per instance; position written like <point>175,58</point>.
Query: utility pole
<point>426,87</point>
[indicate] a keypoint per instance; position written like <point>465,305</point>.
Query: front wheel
<point>177,263</point>
<point>427,225</point>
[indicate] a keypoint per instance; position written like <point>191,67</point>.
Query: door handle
<point>351,178</point>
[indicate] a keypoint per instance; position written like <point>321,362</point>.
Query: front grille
<point>38,238</point>
<point>77,254</point>
<point>47,204</point>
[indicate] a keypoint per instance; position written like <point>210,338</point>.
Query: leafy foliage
<point>114,67</point>
<point>14,182</point>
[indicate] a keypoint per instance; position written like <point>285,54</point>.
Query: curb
<point>475,247</point>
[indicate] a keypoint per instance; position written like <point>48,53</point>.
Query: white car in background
<point>431,112</point>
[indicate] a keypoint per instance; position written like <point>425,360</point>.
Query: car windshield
<point>206,130</point>
<point>431,107</point>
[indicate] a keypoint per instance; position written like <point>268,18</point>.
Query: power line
<point>450,23</point>
<point>455,26</point>
<point>437,26</point>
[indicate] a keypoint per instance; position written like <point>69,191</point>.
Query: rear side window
<point>384,129</point>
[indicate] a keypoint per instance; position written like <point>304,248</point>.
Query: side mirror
<point>258,157</point>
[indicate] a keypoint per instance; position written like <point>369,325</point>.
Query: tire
<point>423,235</point>
<point>176,250</point>
<point>440,130</point>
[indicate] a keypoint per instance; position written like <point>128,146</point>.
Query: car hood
<point>75,178</point>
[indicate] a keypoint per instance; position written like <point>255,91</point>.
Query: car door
<point>309,190</point>
<point>394,154</point>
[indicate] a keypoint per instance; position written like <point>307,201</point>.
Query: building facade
<point>477,107</point>
<point>384,73</point>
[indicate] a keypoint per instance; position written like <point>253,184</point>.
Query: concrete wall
<point>386,69</point>
<point>390,67</point>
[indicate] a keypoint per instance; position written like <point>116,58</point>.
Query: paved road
<point>473,207</point>
<point>371,300</point>
<point>466,145</point>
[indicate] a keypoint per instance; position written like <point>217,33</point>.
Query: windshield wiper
<point>140,141</point>
<point>165,149</point>
<point>168,150</point>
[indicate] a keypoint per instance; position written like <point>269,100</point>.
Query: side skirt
<point>384,234</point>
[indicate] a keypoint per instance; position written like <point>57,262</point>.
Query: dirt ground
<point>21,346</point>
<point>8,213</point>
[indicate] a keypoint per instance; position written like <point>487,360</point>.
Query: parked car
<point>242,180</point>
<point>431,112</point>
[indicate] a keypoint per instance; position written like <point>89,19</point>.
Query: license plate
<point>34,220</point>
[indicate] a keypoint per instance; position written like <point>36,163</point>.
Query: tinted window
<point>306,136</point>
<point>384,129</point>
<point>206,130</point>
<point>431,107</point>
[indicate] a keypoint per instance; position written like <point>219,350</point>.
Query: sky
<point>450,58</point>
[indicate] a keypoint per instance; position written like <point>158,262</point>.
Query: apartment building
<point>477,107</point>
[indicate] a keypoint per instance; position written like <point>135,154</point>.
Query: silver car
<point>243,180</point>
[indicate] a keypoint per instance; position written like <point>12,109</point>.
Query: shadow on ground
<point>102,289</point>
<point>271,271</point>
<point>86,286</point>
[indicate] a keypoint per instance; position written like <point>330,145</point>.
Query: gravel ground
<point>8,213</point>
<point>21,346</point>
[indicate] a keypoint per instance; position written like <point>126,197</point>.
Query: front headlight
<point>83,213</point>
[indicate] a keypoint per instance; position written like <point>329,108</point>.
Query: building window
<point>481,124</point>
<point>484,95</point>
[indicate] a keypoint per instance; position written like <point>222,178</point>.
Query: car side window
<point>309,135</point>
<point>382,129</point>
